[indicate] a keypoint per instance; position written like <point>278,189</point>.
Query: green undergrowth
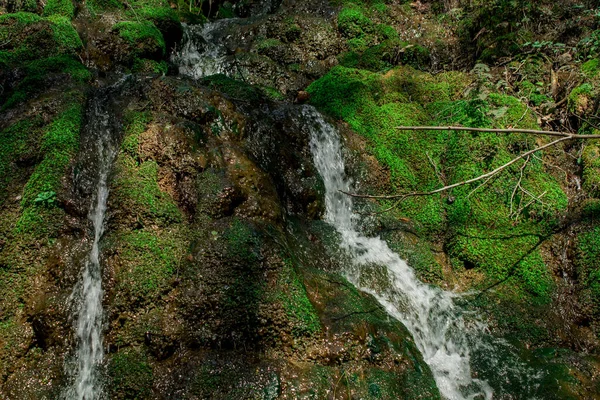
<point>375,104</point>
<point>374,45</point>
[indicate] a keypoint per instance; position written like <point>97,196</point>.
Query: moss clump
<point>591,68</point>
<point>581,99</point>
<point>59,7</point>
<point>144,36</point>
<point>590,158</point>
<point>130,374</point>
<point>353,23</point>
<point>534,92</point>
<point>65,35</point>
<point>30,37</point>
<point>135,125</point>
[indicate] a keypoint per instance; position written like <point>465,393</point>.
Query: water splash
<point>88,292</point>
<point>429,313</point>
<point>202,52</point>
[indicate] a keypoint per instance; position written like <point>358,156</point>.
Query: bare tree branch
<point>508,130</point>
<point>403,196</point>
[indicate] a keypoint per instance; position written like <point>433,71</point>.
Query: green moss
<point>59,145</point>
<point>138,191</point>
<point>157,14</point>
<point>64,33</point>
<point>15,142</point>
<point>267,44</point>
<point>511,253</point>
<point>590,158</point>
<point>580,100</point>
<point>533,93</point>
<point>353,23</point>
<point>273,93</point>
<point>59,7</point>
<point>234,88</point>
<point>143,65</point>
<point>242,241</point>
<point>38,73</point>
<point>130,375</point>
<point>150,259</point>
<point>588,265</point>
<point>29,37</point>
<point>135,125</point>
<point>144,35</point>
<point>292,294</point>
<point>591,68</point>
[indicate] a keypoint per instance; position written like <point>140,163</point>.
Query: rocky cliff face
<point>220,278</point>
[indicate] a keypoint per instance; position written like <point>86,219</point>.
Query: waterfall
<point>429,313</point>
<point>87,294</point>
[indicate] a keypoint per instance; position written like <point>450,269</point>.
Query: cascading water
<point>88,292</point>
<point>202,53</point>
<point>429,313</point>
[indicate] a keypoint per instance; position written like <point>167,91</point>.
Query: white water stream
<point>201,53</point>
<point>88,292</point>
<point>429,313</point>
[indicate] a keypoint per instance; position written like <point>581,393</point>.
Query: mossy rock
<point>42,73</point>
<point>30,37</point>
<point>582,100</point>
<point>144,38</point>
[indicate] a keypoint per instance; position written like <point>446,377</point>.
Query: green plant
<point>47,199</point>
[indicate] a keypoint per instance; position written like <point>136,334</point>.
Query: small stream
<point>102,128</point>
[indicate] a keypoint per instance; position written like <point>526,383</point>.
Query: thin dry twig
<point>507,130</point>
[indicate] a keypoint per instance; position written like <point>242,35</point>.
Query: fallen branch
<point>401,197</point>
<point>491,130</point>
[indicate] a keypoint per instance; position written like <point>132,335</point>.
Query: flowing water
<point>429,313</point>
<point>202,53</point>
<point>451,342</point>
<point>88,292</point>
